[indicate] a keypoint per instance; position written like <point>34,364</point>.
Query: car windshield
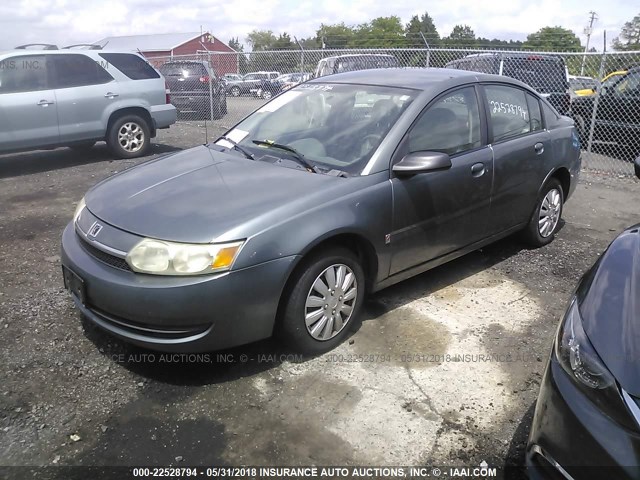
<point>334,126</point>
<point>546,75</point>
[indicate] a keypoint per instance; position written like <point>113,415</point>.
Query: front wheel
<point>546,215</point>
<point>324,301</point>
<point>235,91</point>
<point>129,136</point>
<point>266,94</point>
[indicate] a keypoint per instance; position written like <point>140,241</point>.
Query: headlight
<point>576,354</point>
<point>582,363</point>
<point>167,258</point>
<point>79,209</point>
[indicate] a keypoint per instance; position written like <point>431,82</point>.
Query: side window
<point>26,73</point>
<point>451,125</point>
<point>629,85</point>
<point>131,65</point>
<point>77,71</point>
<point>534,112</point>
<point>508,111</point>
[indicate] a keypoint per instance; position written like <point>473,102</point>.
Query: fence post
<point>595,103</point>
<point>428,59</point>
<point>210,95</point>
<point>301,54</point>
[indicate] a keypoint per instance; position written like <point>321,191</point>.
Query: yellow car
<point>606,81</point>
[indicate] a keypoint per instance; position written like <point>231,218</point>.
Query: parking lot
<point>443,370</point>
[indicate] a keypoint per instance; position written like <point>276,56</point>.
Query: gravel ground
<point>397,393</point>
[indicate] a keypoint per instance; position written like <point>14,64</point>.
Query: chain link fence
<point>601,95</point>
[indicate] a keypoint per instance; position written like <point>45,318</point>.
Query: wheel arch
<point>140,111</point>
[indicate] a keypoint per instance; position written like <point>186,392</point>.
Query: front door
<point>438,212</point>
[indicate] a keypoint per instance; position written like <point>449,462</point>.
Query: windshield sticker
<point>279,101</point>
<point>236,135</point>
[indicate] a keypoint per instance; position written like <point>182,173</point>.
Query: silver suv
<point>53,98</point>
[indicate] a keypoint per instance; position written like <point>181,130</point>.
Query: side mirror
<point>636,167</point>
<point>422,162</point>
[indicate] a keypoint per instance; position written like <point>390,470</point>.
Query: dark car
<point>588,410</point>
<point>195,89</point>
<point>617,118</point>
<point>545,73</point>
<point>329,191</point>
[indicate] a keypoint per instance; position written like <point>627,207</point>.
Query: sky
<point>65,22</point>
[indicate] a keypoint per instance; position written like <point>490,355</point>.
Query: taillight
<point>204,79</point>
<point>167,93</point>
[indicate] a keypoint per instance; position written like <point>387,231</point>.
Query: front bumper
<point>178,314</point>
<point>572,438</point>
<point>163,115</point>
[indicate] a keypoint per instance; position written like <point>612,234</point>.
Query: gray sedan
<point>336,188</point>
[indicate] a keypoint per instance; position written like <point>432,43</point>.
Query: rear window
<point>132,66</point>
<point>546,75</point>
<point>183,70</point>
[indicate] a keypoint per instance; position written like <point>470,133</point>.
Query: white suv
<point>53,98</point>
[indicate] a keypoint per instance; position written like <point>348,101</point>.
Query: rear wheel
<point>235,91</point>
<point>546,216</point>
<point>129,136</point>
<point>266,94</point>
<point>324,302</point>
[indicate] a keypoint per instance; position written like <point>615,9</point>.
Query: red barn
<point>159,48</point>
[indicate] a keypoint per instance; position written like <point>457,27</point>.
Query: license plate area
<point>74,284</point>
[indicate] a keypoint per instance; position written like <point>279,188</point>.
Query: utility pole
<point>588,30</point>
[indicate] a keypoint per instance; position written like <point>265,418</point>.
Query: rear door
<point>521,150</point>
<point>84,91</point>
<point>28,107</point>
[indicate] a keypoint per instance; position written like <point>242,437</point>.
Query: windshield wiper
<point>246,153</point>
<point>296,154</point>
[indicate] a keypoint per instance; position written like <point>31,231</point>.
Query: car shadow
<point>514,463</point>
<point>27,163</point>
<point>248,360</point>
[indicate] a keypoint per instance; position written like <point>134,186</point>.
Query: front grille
<point>104,257</point>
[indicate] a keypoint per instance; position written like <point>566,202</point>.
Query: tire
<point>139,129</point>
<point>535,233</point>
<point>266,94</point>
<point>217,110</point>
<point>293,328</point>
<point>235,91</point>
<point>82,147</point>
<point>583,134</point>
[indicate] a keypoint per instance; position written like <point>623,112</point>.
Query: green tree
<point>261,40</point>
<point>283,42</point>
<point>555,39</point>
<point>462,36</point>
<point>629,38</point>
<point>242,62</point>
<point>421,25</point>
<point>334,36</point>
<point>381,32</point>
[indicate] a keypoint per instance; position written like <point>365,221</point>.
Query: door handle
<point>477,169</point>
<point>539,148</point>
<point>110,95</point>
<point>44,103</point>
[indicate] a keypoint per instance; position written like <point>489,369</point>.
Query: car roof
<point>414,78</point>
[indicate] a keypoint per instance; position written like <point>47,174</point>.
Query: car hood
<point>198,195</point>
<point>610,309</point>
